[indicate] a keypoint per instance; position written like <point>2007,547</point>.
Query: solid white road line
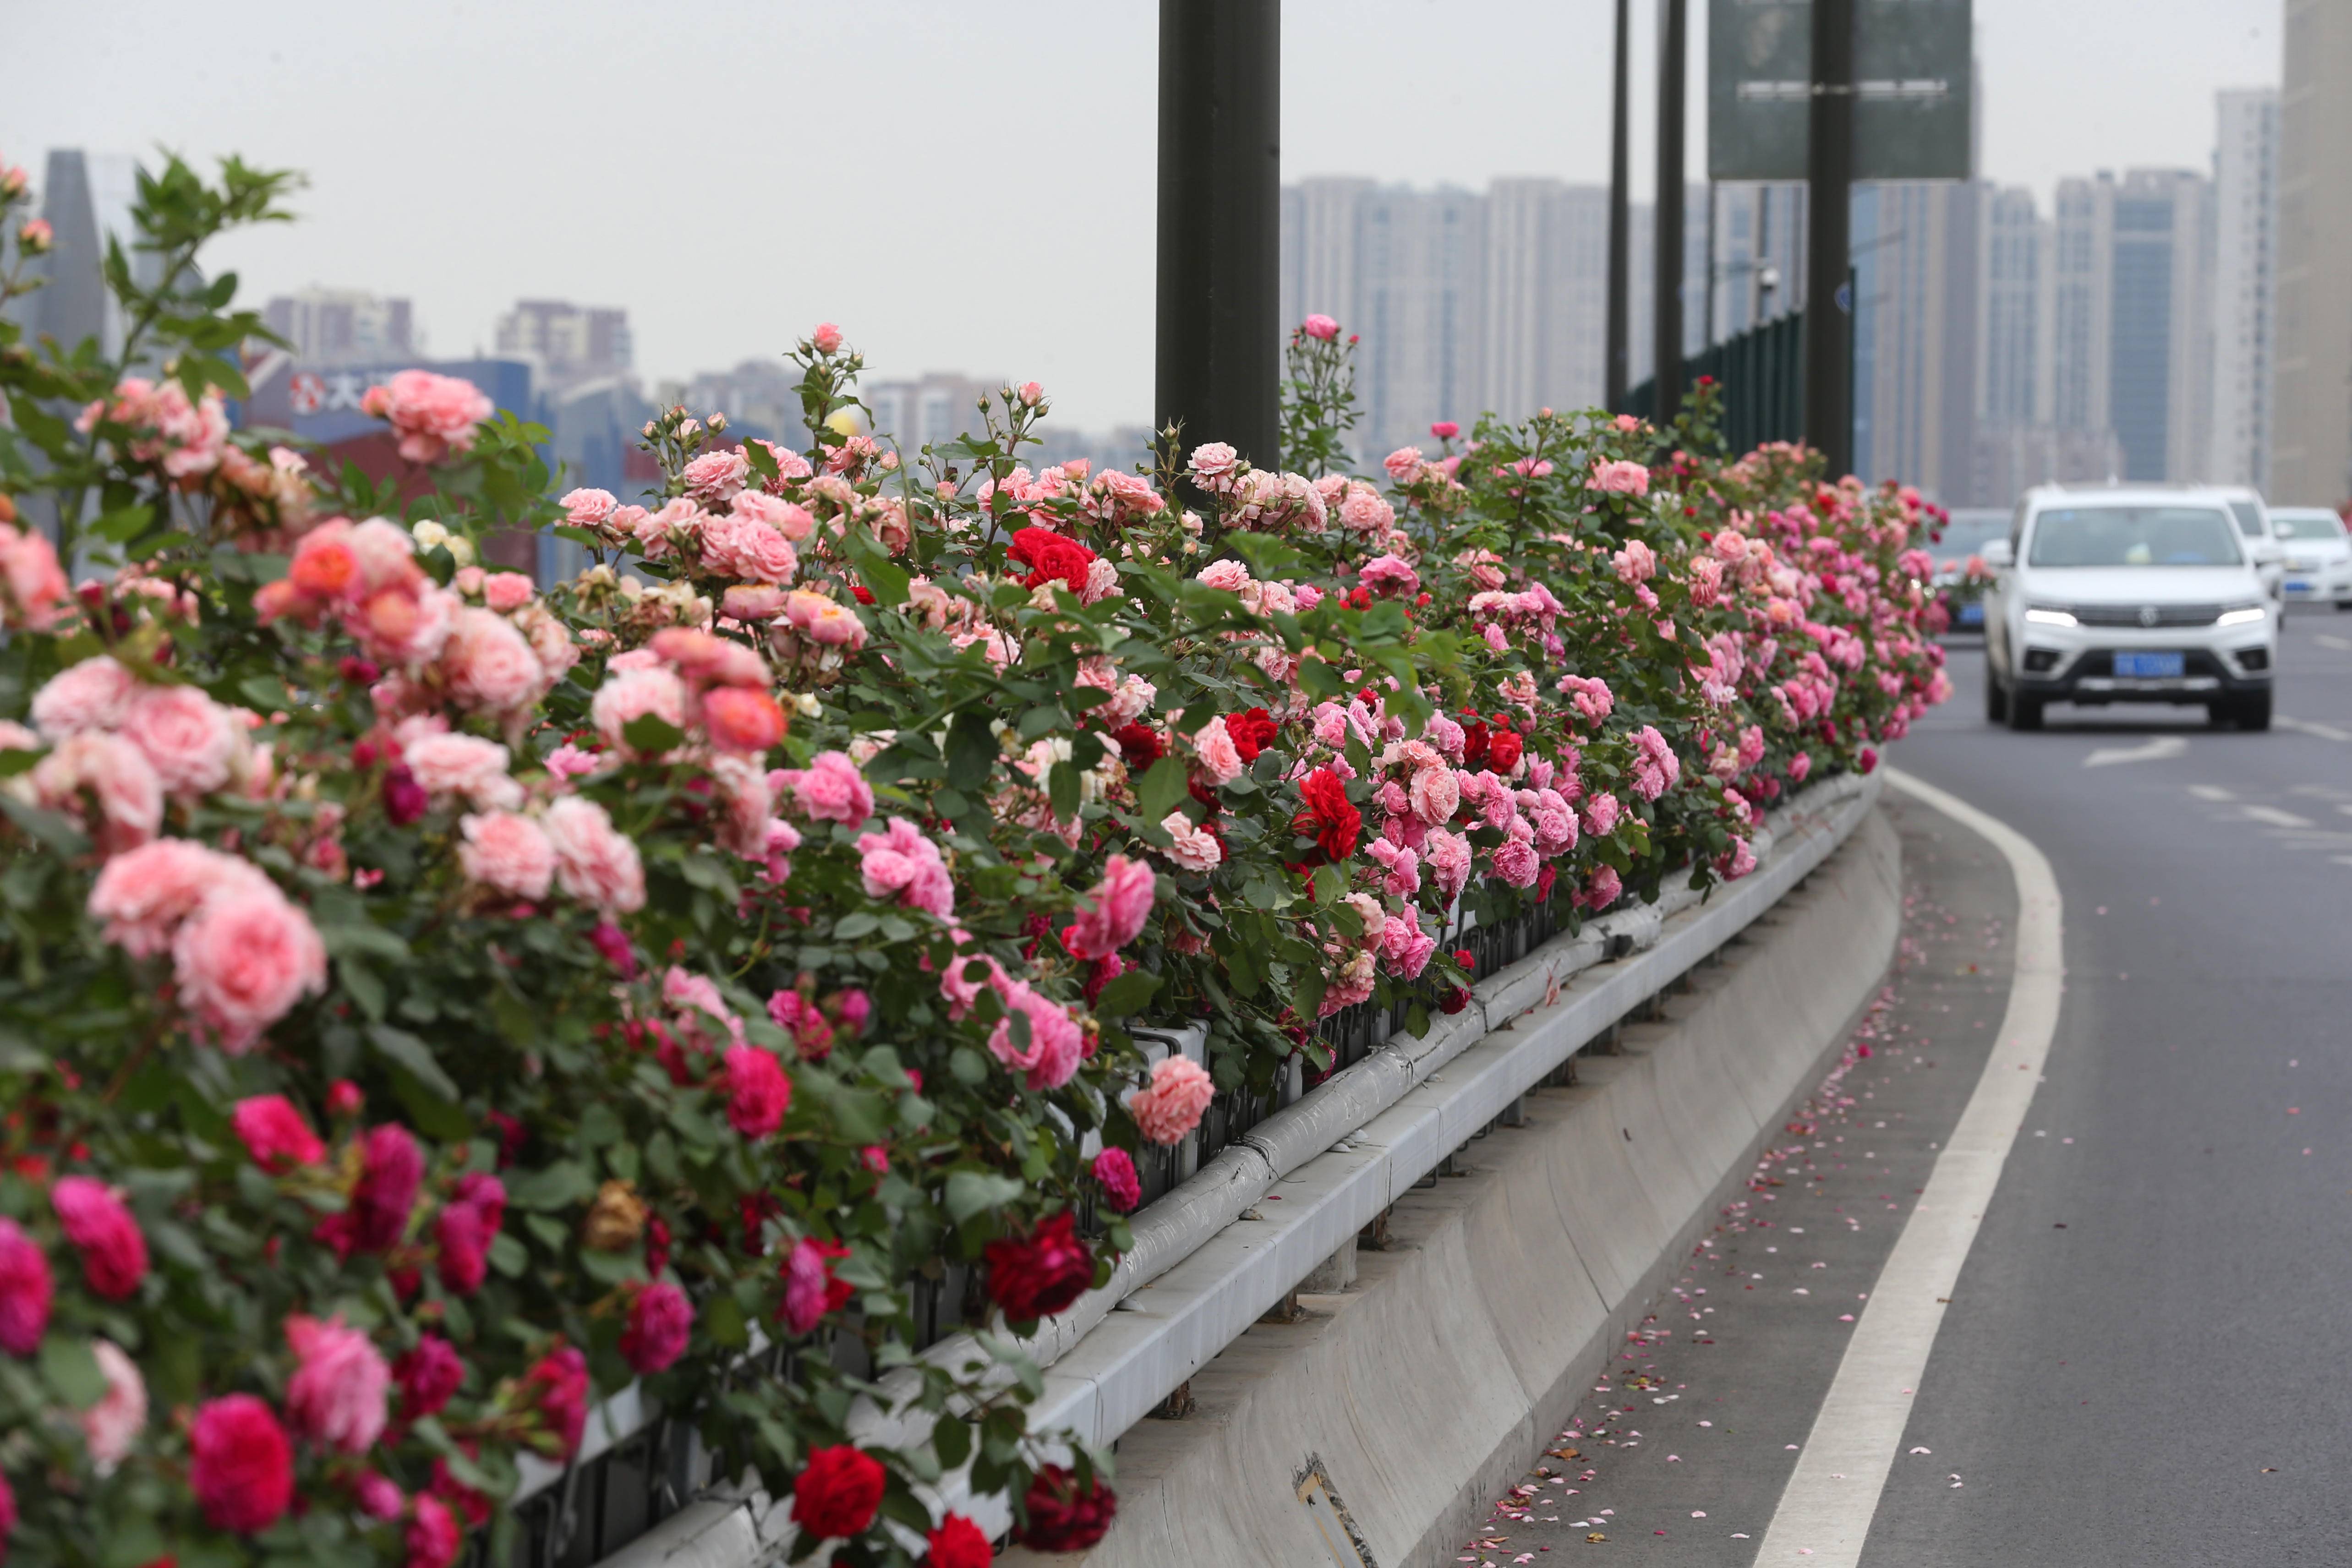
<point>2305,727</point>
<point>1834,1493</point>
<point>2156,751</point>
<point>2274,817</point>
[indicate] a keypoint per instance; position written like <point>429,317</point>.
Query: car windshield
<point>2250,518</point>
<point>2307,524</point>
<point>2134,536</point>
<point>1968,533</point>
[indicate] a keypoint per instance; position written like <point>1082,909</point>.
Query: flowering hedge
<point>432,1002</point>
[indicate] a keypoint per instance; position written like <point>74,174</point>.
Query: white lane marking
<point>2157,750</point>
<point>2305,727</point>
<point>2338,643</point>
<point>1832,1497</point>
<point>2211,792</point>
<point>2274,817</point>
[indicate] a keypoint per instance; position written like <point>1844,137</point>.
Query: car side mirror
<point>1998,555</point>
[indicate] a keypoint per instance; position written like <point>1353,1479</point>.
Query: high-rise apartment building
<point>2159,377</point>
<point>1466,301</point>
<point>2245,284</point>
<point>1915,334</point>
<point>341,326</point>
<point>931,412</point>
<point>568,342</point>
<point>86,198</point>
<point>2310,397</point>
<point>2014,280</point>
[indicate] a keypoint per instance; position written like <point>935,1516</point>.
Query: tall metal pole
<point>1829,292</point>
<point>1219,342</point>
<point>1614,374</point>
<point>1667,223</point>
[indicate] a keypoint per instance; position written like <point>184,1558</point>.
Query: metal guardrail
<point>636,1470</point>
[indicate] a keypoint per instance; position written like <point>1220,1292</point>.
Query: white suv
<point>2128,593</point>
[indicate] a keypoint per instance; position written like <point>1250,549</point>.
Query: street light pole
<point>1829,291</point>
<point>1614,370</point>
<point>1218,351</point>
<point>1666,221</point>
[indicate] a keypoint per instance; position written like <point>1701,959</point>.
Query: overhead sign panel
<point>1913,89</point>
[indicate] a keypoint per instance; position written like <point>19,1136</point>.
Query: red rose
<point>113,1252</point>
<point>1037,1275</point>
<point>1051,558</point>
<point>959,1543</point>
<point>1475,741</point>
<point>1062,1517</point>
<point>1503,751</point>
<point>390,1169</point>
<point>427,1376</point>
<point>1250,732</point>
<point>1330,819</point>
<point>560,1380</point>
<point>240,1465</point>
<point>1142,746</point>
<point>837,1496</point>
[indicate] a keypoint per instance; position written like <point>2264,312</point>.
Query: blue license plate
<point>2299,585</point>
<point>2149,666</point>
<point>1972,614</point>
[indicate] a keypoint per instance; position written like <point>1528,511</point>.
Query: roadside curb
<point>1415,1397</point>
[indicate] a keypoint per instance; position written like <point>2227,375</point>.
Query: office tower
<point>933,411</point>
<point>1915,334</point>
<point>568,342</point>
<point>2012,362</point>
<point>86,199</point>
<point>1546,296</point>
<point>340,326</point>
<point>2311,398</point>
<point>2081,276</point>
<point>2160,375</point>
<point>2245,284</point>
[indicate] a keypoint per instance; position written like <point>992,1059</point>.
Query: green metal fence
<point>1762,373</point>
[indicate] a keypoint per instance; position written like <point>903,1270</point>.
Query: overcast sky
<point>962,184</point>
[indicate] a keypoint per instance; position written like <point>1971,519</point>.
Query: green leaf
<point>399,1046</point>
<point>971,751</point>
<point>1062,789</point>
<point>1127,995</point>
<point>508,1256</point>
<point>266,693</point>
<point>14,762</point>
<point>1167,785</point>
<point>952,1440</point>
<point>69,1368</point>
<point>131,1542</point>
<point>51,828</point>
<point>850,927</point>
<point>649,733</point>
<point>578,536</point>
<point>971,1192</point>
<point>564,1183</point>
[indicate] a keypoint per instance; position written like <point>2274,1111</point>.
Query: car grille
<point>2148,614</point>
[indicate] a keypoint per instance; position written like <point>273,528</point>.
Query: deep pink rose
<point>759,1092</point>
<point>661,1322</point>
<point>1115,1168</point>
<point>26,1288</point>
<point>276,1133</point>
<point>429,1377</point>
<point>559,1380</point>
<point>113,1251</point>
<point>434,1536</point>
<point>240,1465</point>
<point>829,790</point>
<point>1118,906</point>
<point>390,1170</point>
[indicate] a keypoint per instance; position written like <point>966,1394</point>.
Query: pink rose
<point>1231,575</point>
<point>594,861</point>
<point>632,694</point>
<point>714,477</point>
<point>1212,465</point>
<point>188,739</point>
<point>1213,747</point>
<point>335,1398</point>
<point>830,789</point>
<point>1799,766</point>
<point>1447,855</point>
<point>1194,849</point>
<point>243,961</point>
<point>445,764</point>
<point>1601,814</point>
<point>1405,948</point>
<point>793,521</point>
<point>740,547</point>
<point>114,1250</point>
<point>1056,1046</point>
<point>1435,794</point>
<point>1119,906</point>
<point>1636,563</point>
<point>1172,1104</point>
<point>1602,890</point>
<point>433,415</point>
<point>1655,766</point>
<point>903,863</point>
<point>116,775</point>
<point>507,591</point>
<point>1621,478</point>
<point>507,853</point>
<point>38,595</point>
<point>1320,328</point>
<point>587,508</point>
<point>826,338</point>
<point>111,1427</point>
<point>489,663</point>
<point>144,894</point>
<point>95,693</point>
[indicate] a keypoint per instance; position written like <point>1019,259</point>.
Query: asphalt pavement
<point>2145,1359</point>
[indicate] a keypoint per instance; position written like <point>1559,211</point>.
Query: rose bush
<point>433,1002</point>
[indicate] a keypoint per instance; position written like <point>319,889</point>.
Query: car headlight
<point>2236,615</point>
<point>2049,615</point>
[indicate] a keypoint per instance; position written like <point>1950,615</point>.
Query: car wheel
<point>2253,712</point>
<point>2024,712</point>
<point>1996,700</point>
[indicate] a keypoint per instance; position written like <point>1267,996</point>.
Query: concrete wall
<point>1423,1389</point>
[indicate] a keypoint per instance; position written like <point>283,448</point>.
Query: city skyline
<point>495,188</point>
